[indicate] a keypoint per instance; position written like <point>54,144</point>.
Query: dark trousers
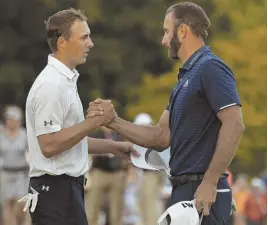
<point>60,200</point>
<point>220,210</point>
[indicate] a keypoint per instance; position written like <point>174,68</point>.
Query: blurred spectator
<point>130,211</point>
<point>255,205</point>
<point>108,176</point>
<point>230,182</point>
<point>14,176</point>
<point>166,193</point>
<point>152,184</point>
<point>240,193</point>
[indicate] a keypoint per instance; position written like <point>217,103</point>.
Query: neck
<point>12,131</point>
<point>64,60</point>
<point>189,48</point>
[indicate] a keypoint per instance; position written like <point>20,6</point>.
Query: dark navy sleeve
<point>168,107</point>
<point>170,99</point>
<point>219,85</point>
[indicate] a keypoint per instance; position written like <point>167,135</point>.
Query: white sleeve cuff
<point>47,130</point>
<point>224,107</point>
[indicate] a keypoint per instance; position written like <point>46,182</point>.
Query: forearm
<point>147,136</point>
<point>228,140</point>
<point>66,138</point>
<point>101,146</point>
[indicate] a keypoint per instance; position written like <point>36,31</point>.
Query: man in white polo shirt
<point>57,130</point>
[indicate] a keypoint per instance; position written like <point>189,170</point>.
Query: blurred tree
<point>23,47</point>
<point>239,38</point>
<point>127,36</point>
<point>244,50</point>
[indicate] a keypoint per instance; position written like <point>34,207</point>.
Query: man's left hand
<point>124,150</point>
<point>205,196</point>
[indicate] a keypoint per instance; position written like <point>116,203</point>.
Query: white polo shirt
<point>53,103</point>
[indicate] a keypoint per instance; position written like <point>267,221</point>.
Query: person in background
<point>14,179</point>
<point>255,207</point>
<point>131,214</point>
<point>241,191</point>
<point>151,185</point>
<point>108,177</point>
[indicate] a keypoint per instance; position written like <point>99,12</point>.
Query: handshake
<point>104,109</point>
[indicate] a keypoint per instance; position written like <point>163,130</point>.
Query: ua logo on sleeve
<point>48,122</point>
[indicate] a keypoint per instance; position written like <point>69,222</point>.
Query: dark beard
<point>175,45</point>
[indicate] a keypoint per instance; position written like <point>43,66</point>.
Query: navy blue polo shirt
<point>205,86</point>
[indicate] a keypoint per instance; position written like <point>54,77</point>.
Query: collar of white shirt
<point>63,69</point>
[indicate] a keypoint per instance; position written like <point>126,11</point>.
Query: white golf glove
<point>30,198</point>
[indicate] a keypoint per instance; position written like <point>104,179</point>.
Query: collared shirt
<point>52,104</point>
<point>205,86</point>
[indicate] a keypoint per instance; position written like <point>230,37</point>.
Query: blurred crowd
<point>116,192</point>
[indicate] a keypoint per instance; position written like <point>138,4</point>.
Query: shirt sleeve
<point>219,86</point>
<point>168,107</point>
<point>49,108</point>
<point>170,99</point>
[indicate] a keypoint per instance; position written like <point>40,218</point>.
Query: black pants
<point>60,200</point>
<point>220,210</point>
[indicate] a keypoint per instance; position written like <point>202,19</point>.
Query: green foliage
<point>127,36</point>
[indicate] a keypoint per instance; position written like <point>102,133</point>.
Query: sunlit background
<point>130,66</point>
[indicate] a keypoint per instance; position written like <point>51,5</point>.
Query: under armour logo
<point>48,122</point>
<point>45,188</point>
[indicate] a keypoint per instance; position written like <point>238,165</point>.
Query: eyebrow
<point>86,35</point>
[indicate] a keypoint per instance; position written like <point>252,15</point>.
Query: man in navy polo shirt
<point>202,122</point>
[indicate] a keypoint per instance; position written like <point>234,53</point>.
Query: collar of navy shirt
<point>181,78</point>
<point>192,60</point>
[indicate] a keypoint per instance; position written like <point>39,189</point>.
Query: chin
<point>82,61</point>
<point>172,55</point>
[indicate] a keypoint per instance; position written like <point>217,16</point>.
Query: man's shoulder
<point>211,63</point>
<point>48,78</point>
<point>43,88</point>
<point>212,59</point>
<point>42,84</point>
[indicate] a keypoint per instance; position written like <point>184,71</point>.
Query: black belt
<point>185,178</point>
<point>81,179</point>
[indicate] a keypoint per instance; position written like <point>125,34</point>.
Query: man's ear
<point>61,42</point>
<point>182,31</point>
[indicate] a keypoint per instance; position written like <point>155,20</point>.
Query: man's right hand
<point>102,108</point>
